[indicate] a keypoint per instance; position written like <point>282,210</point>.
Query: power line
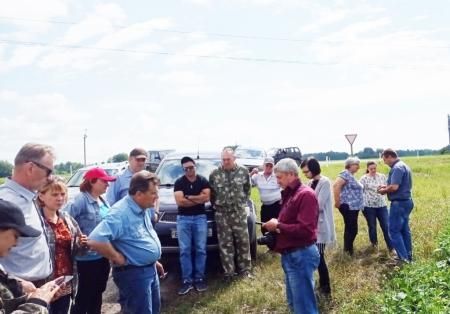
<point>227,35</point>
<point>217,57</point>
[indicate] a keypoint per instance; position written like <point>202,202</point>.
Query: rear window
<point>170,170</point>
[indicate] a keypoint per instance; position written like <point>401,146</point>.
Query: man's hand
<point>83,240</point>
<point>119,259</point>
<point>254,171</point>
<point>46,292</point>
<point>271,225</point>
<point>160,268</point>
<point>27,286</point>
<point>382,189</point>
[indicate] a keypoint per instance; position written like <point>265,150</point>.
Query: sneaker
<point>200,285</point>
<point>185,288</point>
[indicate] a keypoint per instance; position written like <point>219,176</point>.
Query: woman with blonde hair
<point>65,240</point>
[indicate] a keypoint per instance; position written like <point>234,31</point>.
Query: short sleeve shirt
<point>370,185</point>
<point>352,191</point>
<point>400,175</point>
<point>191,188</point>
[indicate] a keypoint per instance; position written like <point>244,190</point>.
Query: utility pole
<point>84,145</point>
<point>448,116</point>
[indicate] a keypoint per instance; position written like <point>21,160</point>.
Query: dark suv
<point>168,172</point>
<point>287,152</point>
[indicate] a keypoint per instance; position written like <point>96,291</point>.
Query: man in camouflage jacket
<point>230,190</point>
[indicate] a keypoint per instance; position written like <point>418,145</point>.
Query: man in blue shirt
<point>127,238</point>
<point>119,189</point>
<point>30,258</point>
<point>398,190</point>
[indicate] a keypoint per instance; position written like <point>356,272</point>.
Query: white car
<point>73,184</point>
<point>250,157</point>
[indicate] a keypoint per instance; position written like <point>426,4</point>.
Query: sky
<point>202,74</point>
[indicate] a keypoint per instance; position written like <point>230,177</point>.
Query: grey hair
<point>287,165</point>
<point>33,152</point>
<point>228,150</point>
<point>351,161</point>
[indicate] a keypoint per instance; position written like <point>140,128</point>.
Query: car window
<point>77,178</point>
<point>170,170</point>
<point>249,153</point>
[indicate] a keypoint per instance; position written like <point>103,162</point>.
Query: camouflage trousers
<point>234,242</point>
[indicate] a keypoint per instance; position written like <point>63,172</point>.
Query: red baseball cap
<point>98,173</point>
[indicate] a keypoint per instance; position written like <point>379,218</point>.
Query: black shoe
<point>228,278</point>
<point>325,290</point>
<point>200,285</point>
<point>246,275</point>
<point>185,288</point>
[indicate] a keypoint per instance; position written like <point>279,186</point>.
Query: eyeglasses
<point>142,159</point>
<point>189,168</point>
<point>47,169</point>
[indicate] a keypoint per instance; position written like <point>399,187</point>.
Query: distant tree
<point>119,157</point>
<point>67,167</point>
<point>367,153</point>
<point>5,169</point>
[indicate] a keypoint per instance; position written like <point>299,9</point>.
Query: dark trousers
<point>268,212</point>
<point>380,213</point>
<point>350,227</point>
<point>324,276</point>
<point>60,306</point>
<point>92,279</point>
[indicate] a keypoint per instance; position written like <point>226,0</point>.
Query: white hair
<point>287,165</point>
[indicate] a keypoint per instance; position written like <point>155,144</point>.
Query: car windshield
<point>249,153</point>
<point>77,178</point>
<point>170,170</point>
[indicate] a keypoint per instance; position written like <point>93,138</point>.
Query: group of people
<point>56,256</point>
<point>368,194</point>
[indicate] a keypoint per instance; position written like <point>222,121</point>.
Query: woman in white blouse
<point>375,204</point>
<point>326,234</point>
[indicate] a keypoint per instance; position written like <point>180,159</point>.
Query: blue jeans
<point>299,267</point>
<point>192,234</point>
<point>399,228</point>
<point>139,290</point>
<point>380,213</point>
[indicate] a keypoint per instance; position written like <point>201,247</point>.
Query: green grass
<point>359,284</point>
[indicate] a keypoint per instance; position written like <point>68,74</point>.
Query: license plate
<point>174,234</point>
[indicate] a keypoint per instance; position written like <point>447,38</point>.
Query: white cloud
<point>193,53</point>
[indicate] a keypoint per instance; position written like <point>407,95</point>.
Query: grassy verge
<point>359,284</point>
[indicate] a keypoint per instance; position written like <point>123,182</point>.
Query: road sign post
<point>351,139</point>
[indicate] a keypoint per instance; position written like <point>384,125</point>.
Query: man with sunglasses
<point>269,191</point>
<point>30,258</point>
<point>191,192</point>
<point>119,189</point>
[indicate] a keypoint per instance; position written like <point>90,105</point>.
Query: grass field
<point>358,283</point>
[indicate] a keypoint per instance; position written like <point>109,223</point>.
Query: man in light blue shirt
<point>119,189</point>
<point>30,258</point>
<point>127,238</point>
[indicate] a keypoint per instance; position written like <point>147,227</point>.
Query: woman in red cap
<point>88,209</point>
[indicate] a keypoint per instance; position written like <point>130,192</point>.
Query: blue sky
<point>188,74</point>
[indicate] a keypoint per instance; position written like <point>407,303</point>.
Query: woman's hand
<point>83,240</point>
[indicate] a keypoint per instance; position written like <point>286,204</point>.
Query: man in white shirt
<point>269,191</point>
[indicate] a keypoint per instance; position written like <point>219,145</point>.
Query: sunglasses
<point>189,168</point>
<point>45,168</point>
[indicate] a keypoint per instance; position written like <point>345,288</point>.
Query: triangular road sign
<point>351,138</point>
